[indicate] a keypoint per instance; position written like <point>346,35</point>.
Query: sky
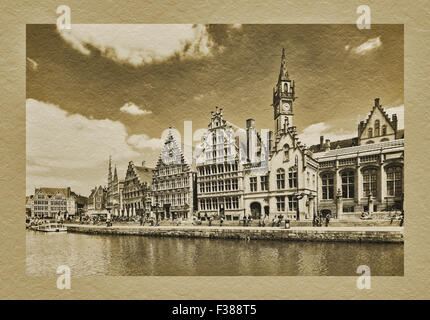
<point>100,90</point>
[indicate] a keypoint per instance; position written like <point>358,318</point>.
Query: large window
<point>292,203</point>
<point>369,182</point>
<point>292,179</point>
<point>253,183</point>
<point>370,133</point>
<point>235,202</point>
<point>394,181</point>
<point>348,185</point>
<point>264,183</point>
<point>234,185</point>
<point>280,178</point>
<point>327,186</point>
<point>280,203</point>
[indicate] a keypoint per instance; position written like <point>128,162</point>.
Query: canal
<point>141,256</point>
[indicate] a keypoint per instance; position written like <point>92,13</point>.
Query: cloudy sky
<point>100,90</point>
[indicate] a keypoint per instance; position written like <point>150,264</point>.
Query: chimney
<point>321,141</point>
<point>220,111</point>
<point>394,121</point>
<point>376,102</point>
<point>143,163</point>
<point>250,123</point>
<point>327,144</point>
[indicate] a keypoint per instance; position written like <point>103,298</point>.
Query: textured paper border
<point>15,283</point>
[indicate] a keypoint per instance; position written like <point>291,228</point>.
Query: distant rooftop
<point>362,148</point>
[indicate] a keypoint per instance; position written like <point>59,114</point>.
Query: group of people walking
<point>319,220</point>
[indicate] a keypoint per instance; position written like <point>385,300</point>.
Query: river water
<point>142,256</point>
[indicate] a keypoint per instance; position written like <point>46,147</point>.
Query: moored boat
<point>50,227</point>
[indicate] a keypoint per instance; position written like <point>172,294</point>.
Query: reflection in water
<point>141,256</point>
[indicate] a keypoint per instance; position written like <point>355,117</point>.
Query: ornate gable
<point>378,126</point>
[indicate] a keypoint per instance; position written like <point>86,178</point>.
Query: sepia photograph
<point>215,150</point>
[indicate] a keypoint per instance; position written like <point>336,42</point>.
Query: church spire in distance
<point>283,73</point>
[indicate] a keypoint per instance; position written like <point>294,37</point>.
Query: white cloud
<point>311,134</point>
<point>141,43</point>
<point>133,109</point>
<point>142,141</point>
<point>72,150</point>
<point>57,139</point>
<point>367,46</point>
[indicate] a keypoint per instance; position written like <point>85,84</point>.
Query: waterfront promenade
<point>388,234</point>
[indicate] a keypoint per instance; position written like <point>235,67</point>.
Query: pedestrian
<point>210,221</point>
<point>327,219</point>
<point>402,218</point>
<point>221,220</point>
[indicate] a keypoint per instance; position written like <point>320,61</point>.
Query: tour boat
<point>51,227</point>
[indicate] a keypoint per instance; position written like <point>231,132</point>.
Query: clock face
<point>286,107</point>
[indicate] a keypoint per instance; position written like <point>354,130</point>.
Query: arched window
<point>394,181</point>
<point>384,130</point>
<point>327,186</point>
<point>348,184</point>
<point>369,182</point>
<point>385,139</point>
<point>280,178</point>
<point>370,133</point>
<point>370,141</point>
<point>376,128</point>
<point>286,152</point>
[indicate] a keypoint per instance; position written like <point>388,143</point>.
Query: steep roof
<point>144,174</point>
<point>51,191</point>
<point>346,143</point>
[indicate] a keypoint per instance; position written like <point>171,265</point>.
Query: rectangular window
<point>214,186</point>
<point>221,185</point>
<point>234,185</point>
<point>228,203</point>
<point>264,183</point>
<point>208,187</point>
<point>253,183</point>
<point>227,185</point>
<point>327,186</point>
<point>235,202</point>
<point>280,203</point>
<point>292,203</point>
<point>292,179</point>
<point>280,179</point>
<point>202,187</point>
<point>202,204</point>
<point>209,204</point>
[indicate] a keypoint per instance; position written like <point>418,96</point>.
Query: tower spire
<point>283,73</point>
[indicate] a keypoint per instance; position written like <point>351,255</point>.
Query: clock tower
<point>283,98</point>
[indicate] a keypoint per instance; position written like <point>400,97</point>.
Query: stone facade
<point>174,184</point>
<point>53,203</point>
<point>137,191</point>
<point>219,171</point>
<point>97,201</point>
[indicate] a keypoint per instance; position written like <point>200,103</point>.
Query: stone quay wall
<point>346,234</point>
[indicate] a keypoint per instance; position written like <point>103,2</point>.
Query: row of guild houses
<point>238,172</point>
<point>55,203</point>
